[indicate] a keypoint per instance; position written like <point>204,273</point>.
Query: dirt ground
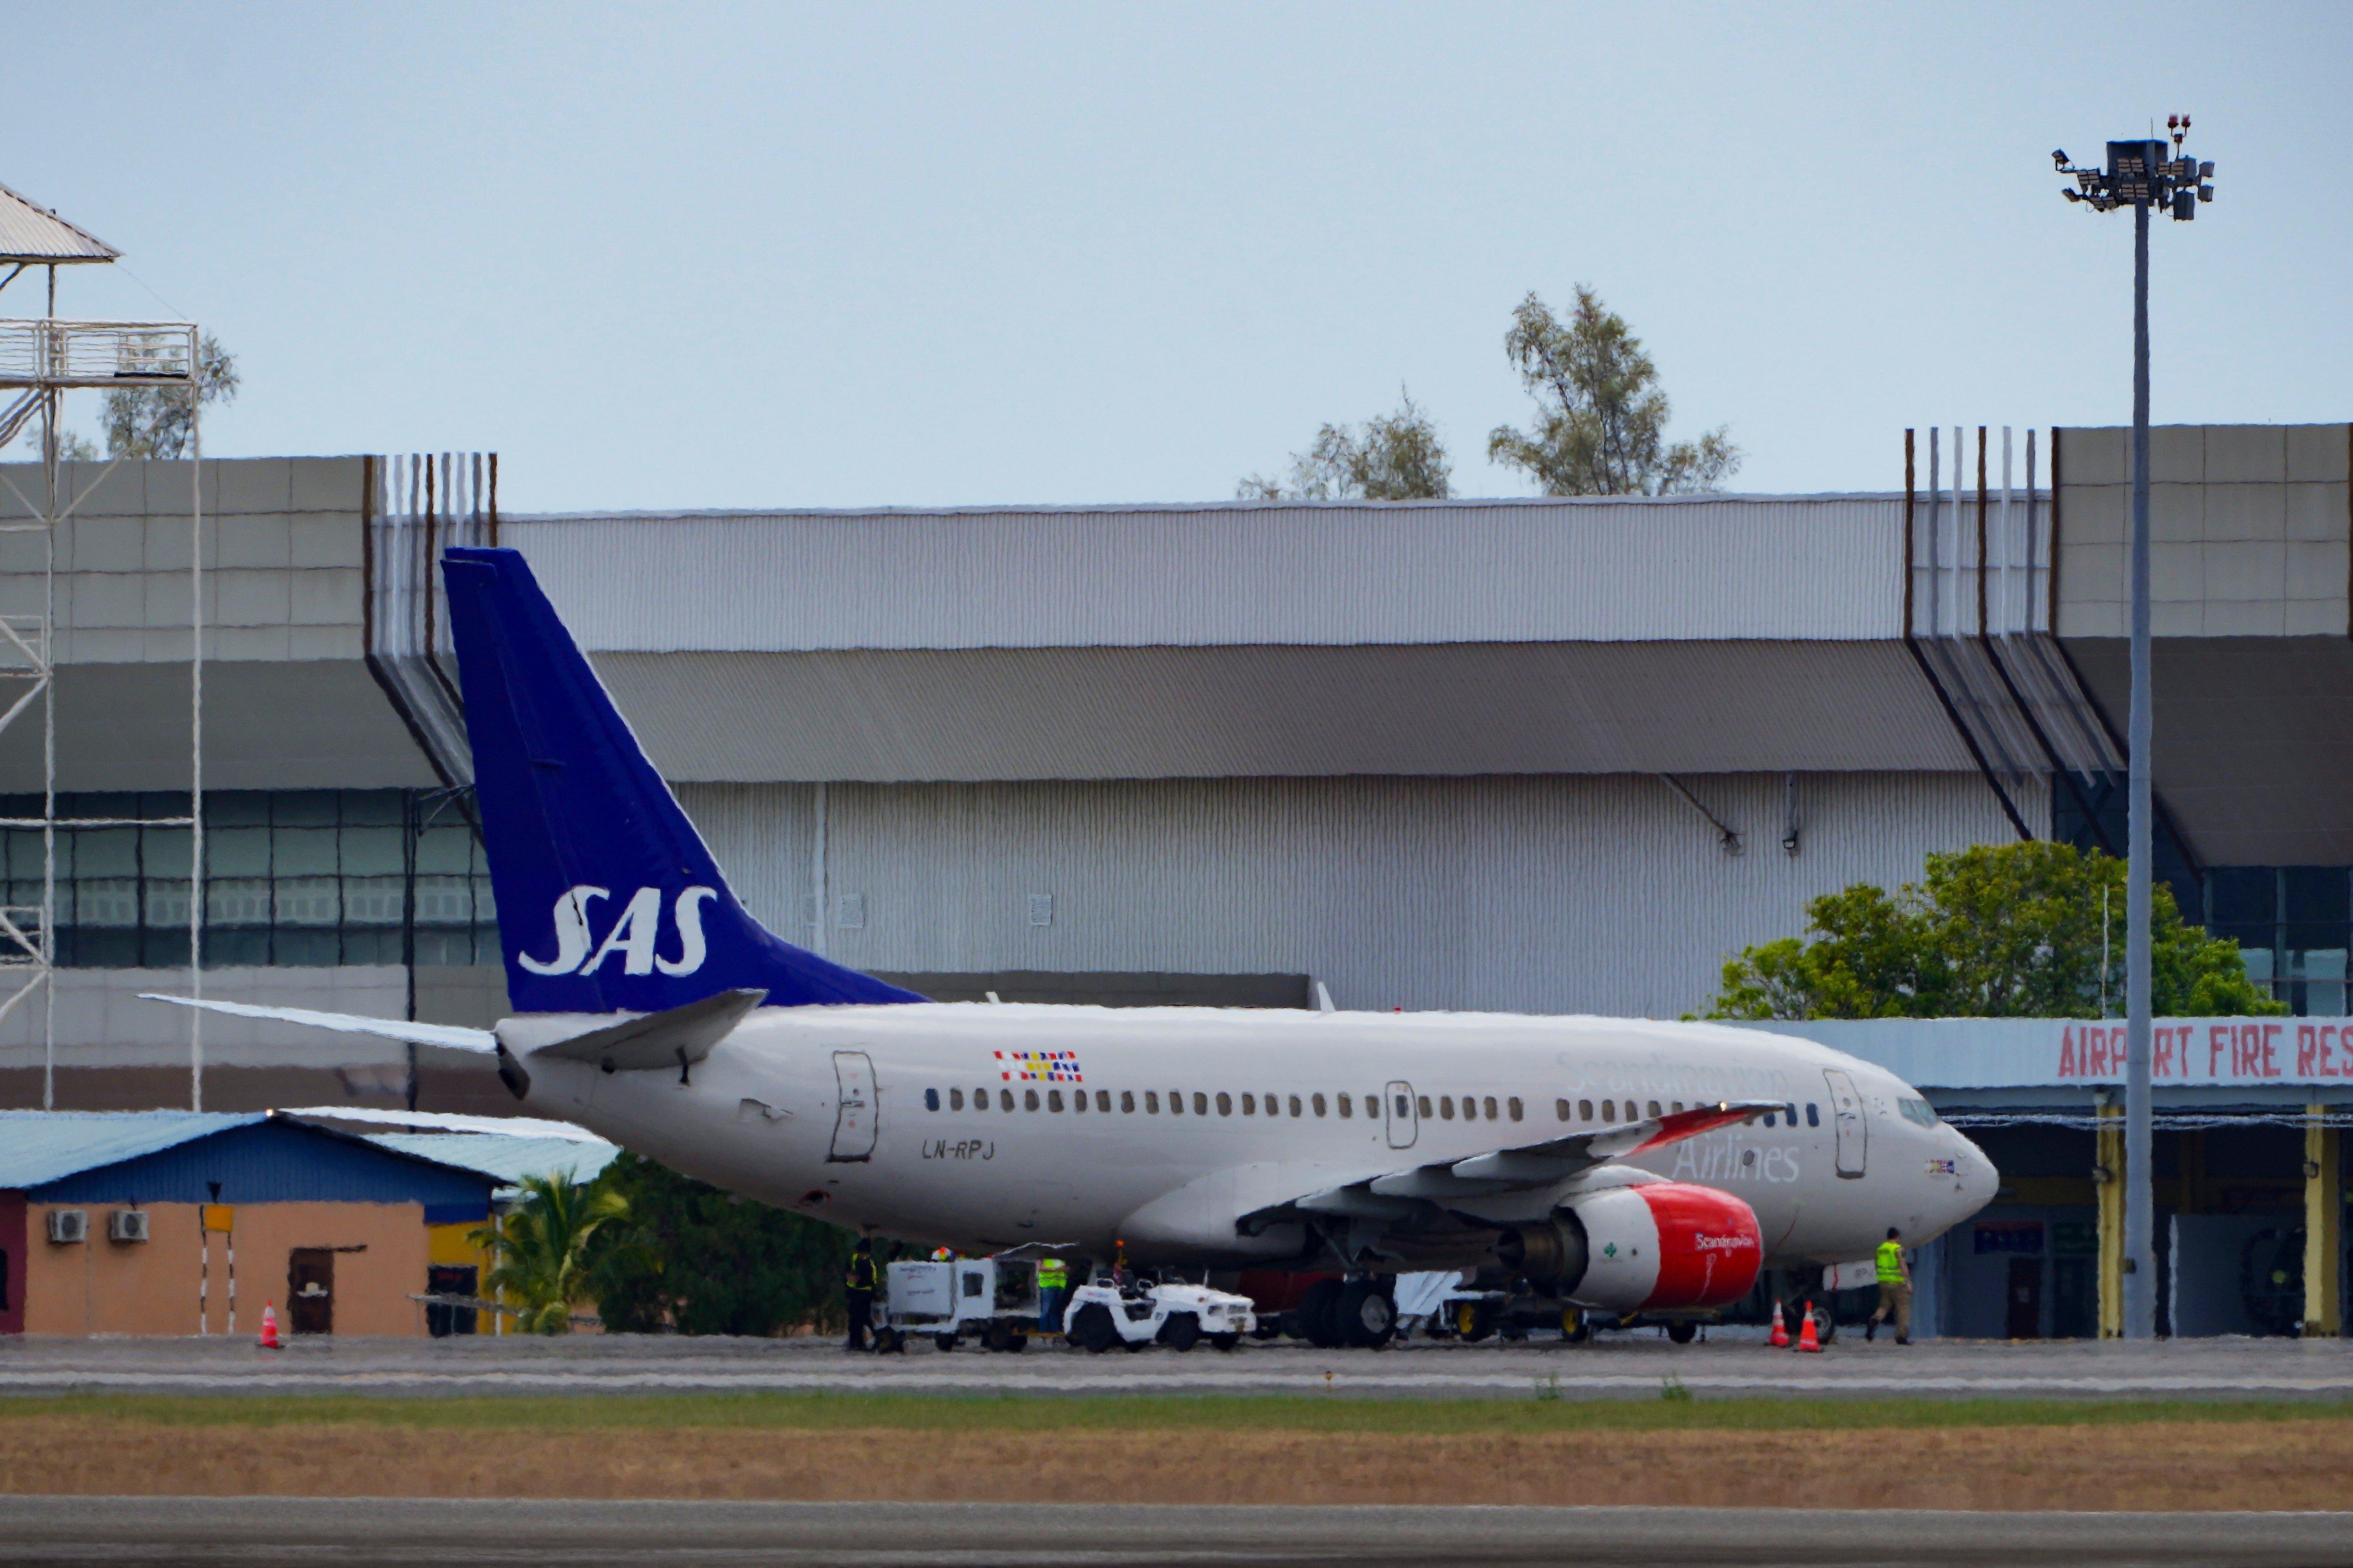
<point>2162,1466</point>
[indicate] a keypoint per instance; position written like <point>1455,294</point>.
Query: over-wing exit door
<point>853,1122</point>
<point>1404,1124</point>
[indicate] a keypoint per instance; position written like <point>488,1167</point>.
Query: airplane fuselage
<point>985,1127</point>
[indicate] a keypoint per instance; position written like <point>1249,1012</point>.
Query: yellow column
<point>2110,1177</point>
<point>2323,1230</point>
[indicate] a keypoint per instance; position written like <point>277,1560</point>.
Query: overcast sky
<point>706,256</point>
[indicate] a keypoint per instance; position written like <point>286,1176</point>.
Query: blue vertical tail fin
<point>608,900</point>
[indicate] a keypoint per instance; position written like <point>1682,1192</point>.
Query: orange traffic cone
<point>1780,1327</point>
<point>1805,1340</point>
<point>270,1326</point>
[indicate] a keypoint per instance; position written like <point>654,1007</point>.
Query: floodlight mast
<point>2141,175</point>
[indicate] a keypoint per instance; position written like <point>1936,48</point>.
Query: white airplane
<point>1617,1164</point>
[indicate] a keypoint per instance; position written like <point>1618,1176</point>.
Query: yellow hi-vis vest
<point>1052,1273</point>
<point>1891,1263</point>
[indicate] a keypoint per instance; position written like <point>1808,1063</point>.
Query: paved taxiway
<point>402,1531</point>
<point>1621,1366</point>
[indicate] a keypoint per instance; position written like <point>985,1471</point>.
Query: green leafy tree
<point>1602,416</point>
<point>696,1261</point>
<point>541,1248</point>
<point>2012,930</point>
<point>1396,456</point>
<point>154,421</point>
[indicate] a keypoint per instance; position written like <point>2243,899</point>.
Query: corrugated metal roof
<point>507,1160</point>
<point>42,1146</point>
<point>1620,569</point>
<point>36,235</point>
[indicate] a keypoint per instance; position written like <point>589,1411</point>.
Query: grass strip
<point>1181,1413</point>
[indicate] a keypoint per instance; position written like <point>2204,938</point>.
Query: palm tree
<point>541,1248</point>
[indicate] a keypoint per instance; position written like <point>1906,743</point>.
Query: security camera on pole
<point>2139,175</point>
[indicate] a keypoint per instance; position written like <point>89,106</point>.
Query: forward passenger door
<point>1846,1115</point>
<point>853,1122</point>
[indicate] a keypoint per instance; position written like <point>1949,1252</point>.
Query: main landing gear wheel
<point>1092,1330</point>
<point>1182,1331</point>
<point>1474,1321</point>
<point>1682,1331</point>
<point>1364,1315</point>
<point>1314,1314</point>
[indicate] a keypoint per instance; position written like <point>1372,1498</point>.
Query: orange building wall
<point>101,1287</point>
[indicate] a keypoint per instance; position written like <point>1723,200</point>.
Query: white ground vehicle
<point>1179,1316</point>
<point>992,1299</point>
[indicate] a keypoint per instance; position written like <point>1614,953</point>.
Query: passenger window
<point>1151,1103</point>
<point>1176,1102</point>
<point>1225,1104</point>
<point>1631,1116</point>
<point>1077,1100</point>
<point>1347,1105</point>
<point>931,1100</point>
<point>1517,1111</point>
<point>1404,1109</point>
<point>1446,1106</point>
<point>1490,1107</point>
<point>1609,1110</point>
<point>1677,1108</point>
<point>1201,1104</point>
<point>1250,1105</point>
<point>1315,1100</point>
<point>1585,1111</point>
<point>1126,1102</point>
<point>1813,1117</point>
<point>1005,1097</point>
<point>1421,1102</point>
<point>956,1100</point>
<point>1654,1108</point>
<point>1560,1108</point>
<point>1028,1099</point>
<point>1102,1099</point>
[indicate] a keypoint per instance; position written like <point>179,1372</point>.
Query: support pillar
<point>2324,1229</point>
<point>2108,1174</point>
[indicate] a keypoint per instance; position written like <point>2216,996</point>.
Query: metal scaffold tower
<point>40,359</point>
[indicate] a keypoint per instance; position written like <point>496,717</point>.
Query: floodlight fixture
<point>2142,174</point>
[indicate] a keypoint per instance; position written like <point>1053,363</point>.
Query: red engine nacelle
<point>1663,1245</point>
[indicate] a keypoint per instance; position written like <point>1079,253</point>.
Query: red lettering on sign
<point>2162,1062</point>
<point>2214,1033</point>
<point>2066,1053</point>
<point>2307,1045</point>
<point>2328,1052</point>
<point>2271,1060</point>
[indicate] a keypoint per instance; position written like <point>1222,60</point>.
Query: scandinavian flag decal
<point>1040,1067</point>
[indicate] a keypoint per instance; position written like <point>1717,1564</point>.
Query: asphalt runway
<point>405,1531</point>
<point>1622,1366</point>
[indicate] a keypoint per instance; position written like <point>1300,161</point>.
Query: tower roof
<point>36,237</point>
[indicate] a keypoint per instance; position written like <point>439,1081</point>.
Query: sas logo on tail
<point>632,938</point>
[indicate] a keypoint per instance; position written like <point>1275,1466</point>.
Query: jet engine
<point>1662,1245</point>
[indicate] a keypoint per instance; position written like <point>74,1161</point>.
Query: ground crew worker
<point>1053,1282</point>
<point>858,1287</point>
<point>1894,1289</point>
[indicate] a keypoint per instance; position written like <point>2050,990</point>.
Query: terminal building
<point>1538,755</point>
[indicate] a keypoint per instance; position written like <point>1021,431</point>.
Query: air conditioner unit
<point>69,1225</point>
<point>127,1225</point>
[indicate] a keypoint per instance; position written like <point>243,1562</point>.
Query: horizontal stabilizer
<point>451,1035</point>
<point>676,1038</point>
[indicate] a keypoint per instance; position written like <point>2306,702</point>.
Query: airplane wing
<point>450,1035</point>
<point>1527,1166</point>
